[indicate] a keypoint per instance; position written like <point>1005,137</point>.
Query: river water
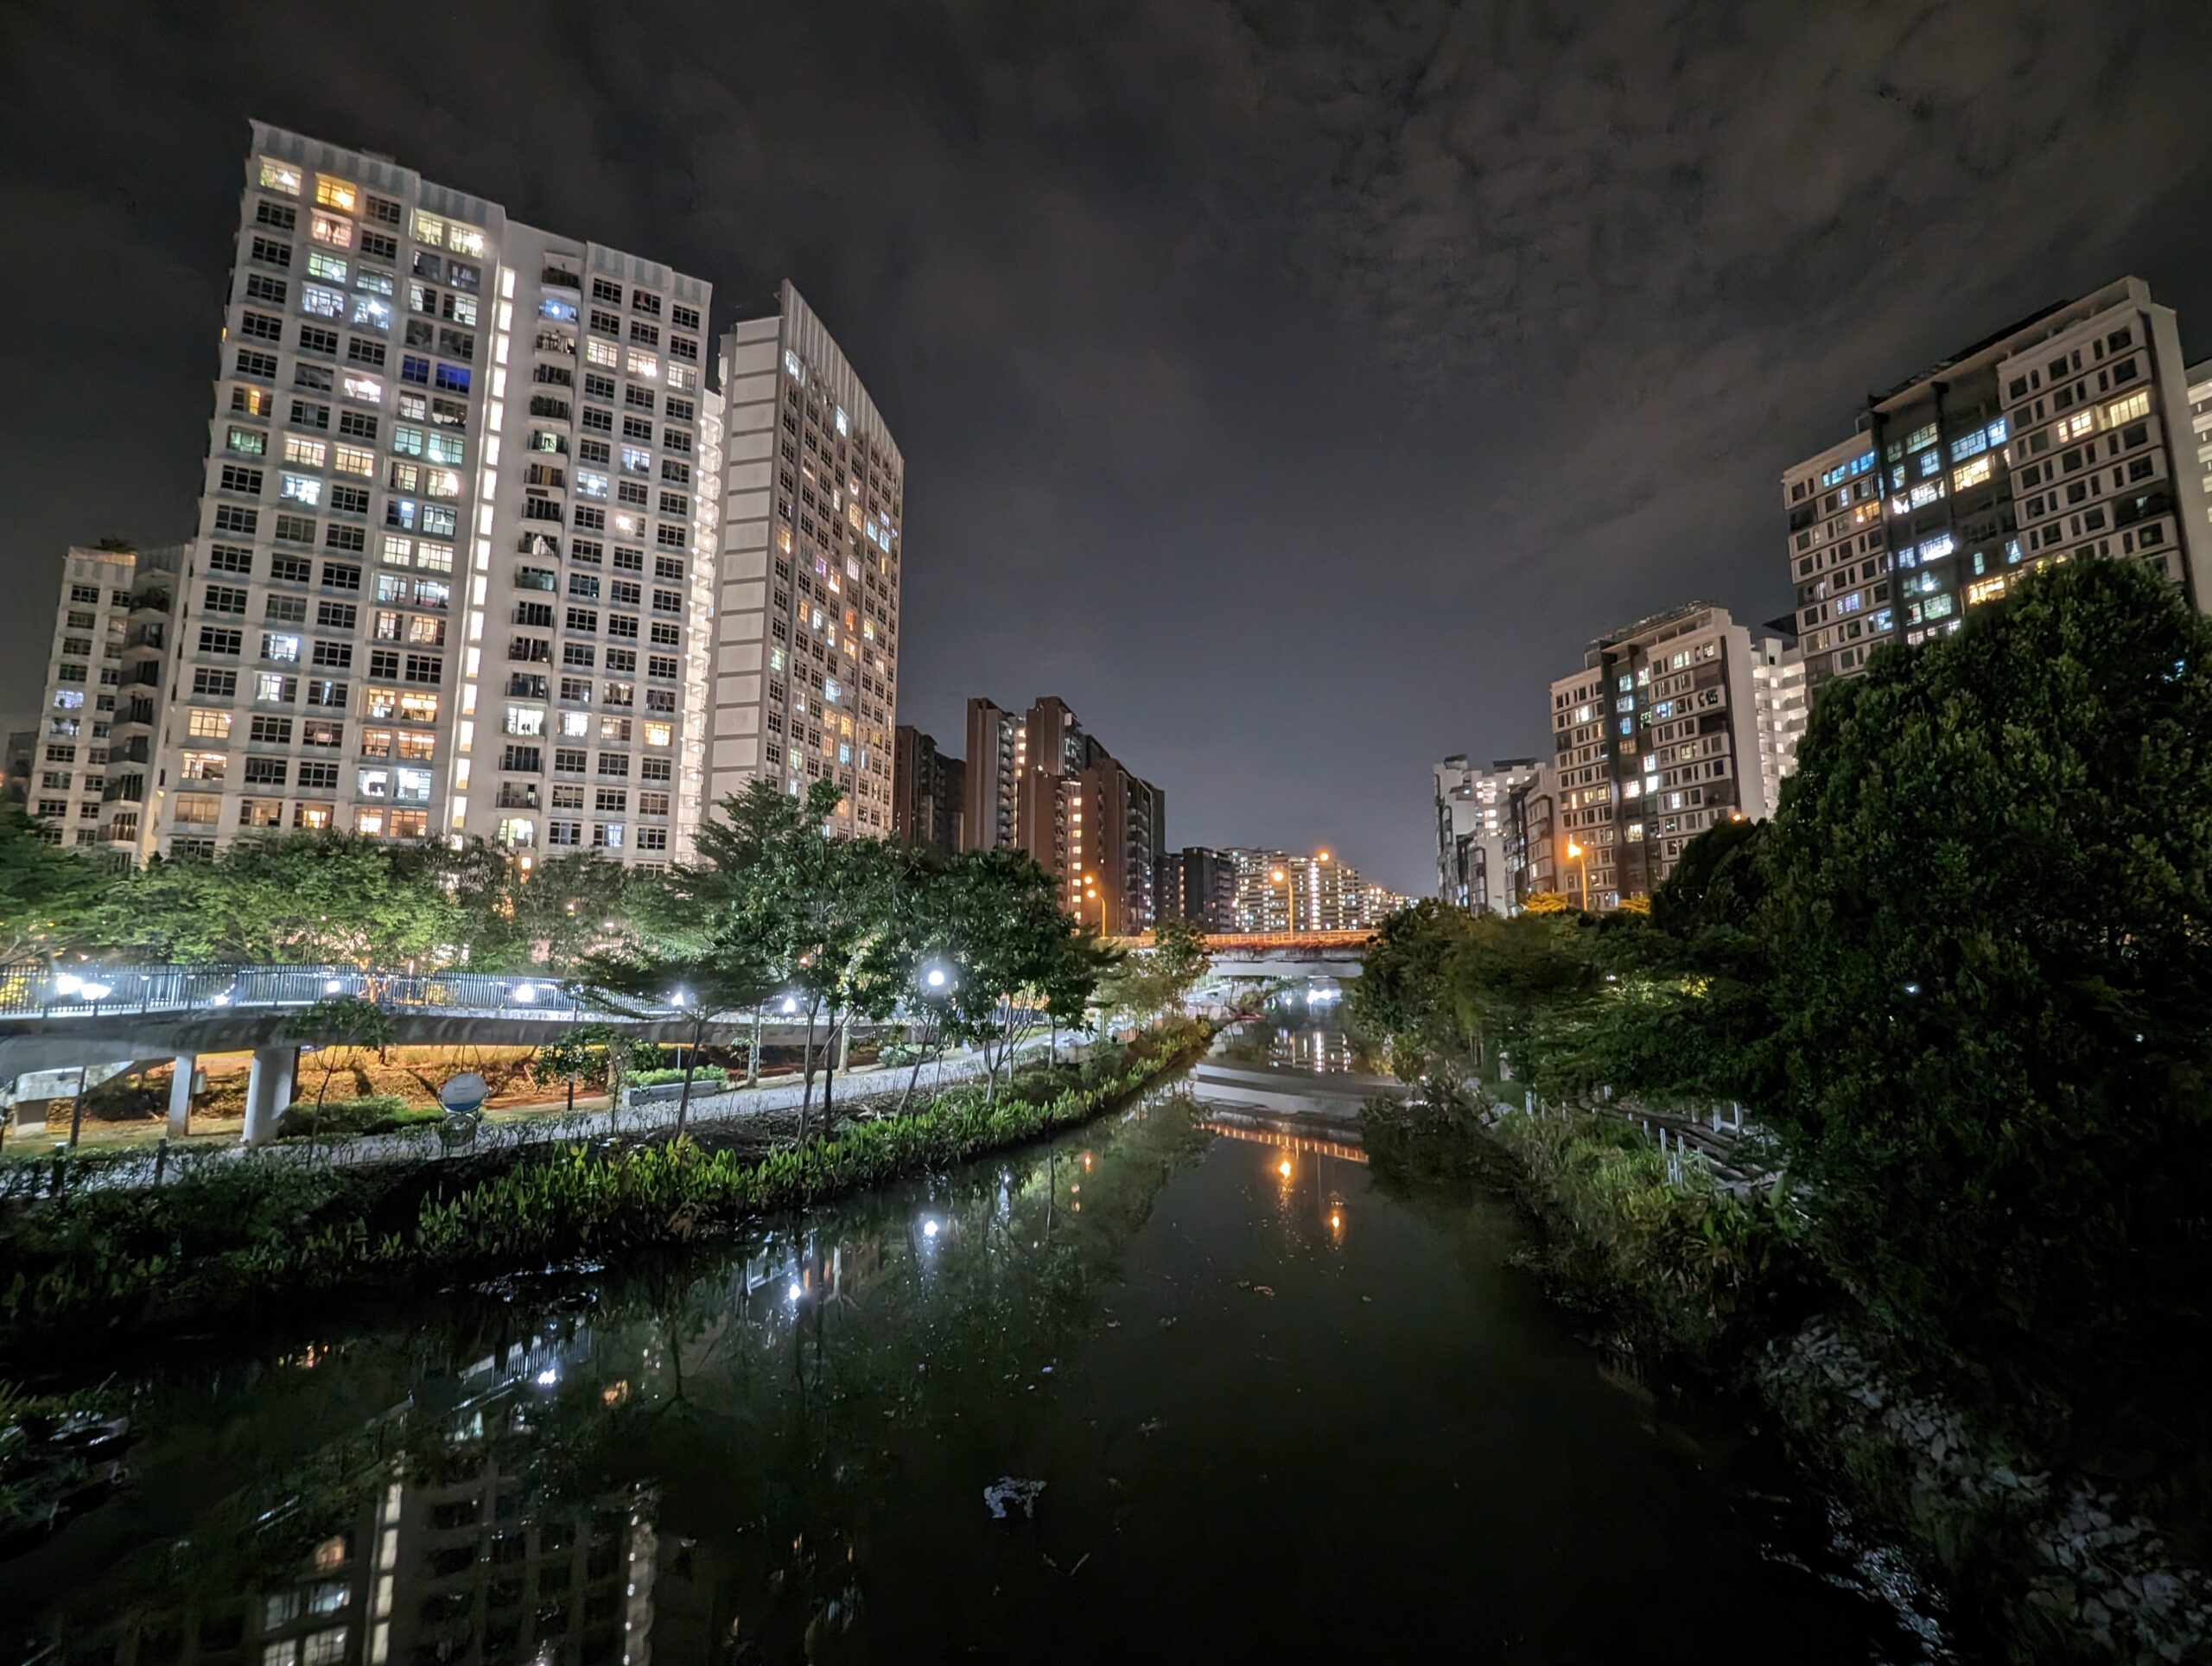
<point>1274,1410</point>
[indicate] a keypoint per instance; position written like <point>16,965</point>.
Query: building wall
<point>1262,900</point>
<point>926,790</point>
<point>1471,830</point>
<point>997,751</point>
<point>1533,839</point>
<point>1778,694</point>
<point>805,672</point>
<point>2067,434</point>
<point>386,625</point>
<point>67,776</point>
<point>1655,739</point>
<point>1199,885</point>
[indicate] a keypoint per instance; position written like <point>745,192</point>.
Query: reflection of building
<point>1655,739</point>
<point>926,790</point>
<point>2066,435</point>
<point>1471,830</point>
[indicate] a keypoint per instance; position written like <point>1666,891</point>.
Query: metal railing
<point>1231,942</point>
<point>87,989</point>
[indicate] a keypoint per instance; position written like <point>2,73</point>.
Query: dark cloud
<point>1294,387</point>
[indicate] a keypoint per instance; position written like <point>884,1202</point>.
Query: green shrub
<point>372,1113</point>
<point>707,1075</point>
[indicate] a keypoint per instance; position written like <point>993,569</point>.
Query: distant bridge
<point>1277,954</point>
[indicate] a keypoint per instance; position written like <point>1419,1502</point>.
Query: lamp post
<point>1281,877</point>
<point>1576,852</point>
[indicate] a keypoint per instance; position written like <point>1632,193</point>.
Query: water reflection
<point>1292,1040</point>
<point>778,1450</point>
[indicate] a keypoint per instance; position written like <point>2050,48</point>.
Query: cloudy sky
<point>1294,388</point>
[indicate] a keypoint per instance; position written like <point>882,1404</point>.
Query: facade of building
<point>454,552</point>
<point>998,751</point>
<point>67,778</point>
<point>1378,902</point>
<point>1653,740</point>
<point>2067,434</point>
<point>133,794</point>
<point>1038,782</point>
<point>1262,888</point>
<point>806,620</point>
<point>927,791</point>
<point>1531,839</point>
<point>1778,690</point>
<point>1470,807</point>
<point>1199,885</point>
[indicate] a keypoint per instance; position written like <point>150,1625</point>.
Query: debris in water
<point>1079,1561</point>
<point>1012,1489</point>
<point>1263,1290</point>
<point>1150,1427</point>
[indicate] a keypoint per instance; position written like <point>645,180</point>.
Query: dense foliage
<point>1961,976</point>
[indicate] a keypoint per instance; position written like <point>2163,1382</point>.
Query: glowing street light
<point>1575,852</point>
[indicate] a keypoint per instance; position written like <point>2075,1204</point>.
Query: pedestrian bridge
<point>87,1014</point>
<point>1277,954</point>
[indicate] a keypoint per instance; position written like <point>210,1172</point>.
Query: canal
<point>1233,1396</point>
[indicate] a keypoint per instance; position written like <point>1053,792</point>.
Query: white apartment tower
<point>1470,829</point>
<point>452,557</point>
<point>1654,741</point>
<point>1778,692</point>
<point>2069,433</point>
<point>804,681</point>
<point>84,668</point>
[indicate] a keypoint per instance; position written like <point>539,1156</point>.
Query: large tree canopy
<point>1988,913</point>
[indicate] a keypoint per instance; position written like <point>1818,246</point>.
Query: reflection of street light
<point>1283,1168</point>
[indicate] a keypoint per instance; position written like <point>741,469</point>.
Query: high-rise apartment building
<point>134,791</point>
<point>806,620</point>
<point>1263,885</point>
<point>455,550</point>
<point>1471,830</point>
<point>1532,839</point>
<point>2200,425</point>
<point>2066,435</point>
<point>927,789</point>
<point>1653,740</point>
<point>84,668</point>
<point>1038,783</point>
<point>1200,886</point>
<point>998,751</point>
<point>1778,693</point>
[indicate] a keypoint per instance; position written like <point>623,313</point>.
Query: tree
<point>1003,929</point>
<point>706,986</point>
<point>50,898</point>
<point>310,898</point>
<point>1990,913</point>
<point>547,919</point>
<point>580,1052</point>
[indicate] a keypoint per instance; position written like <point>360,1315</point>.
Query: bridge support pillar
<point>268,1090</point>
<point>180,1095</point>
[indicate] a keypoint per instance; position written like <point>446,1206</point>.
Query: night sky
<point>1295,389</point>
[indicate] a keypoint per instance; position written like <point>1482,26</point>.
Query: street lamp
<point>1289,909</point>
<point>1091,894</point>
<point>1574,852</point>
<point>937,977</point>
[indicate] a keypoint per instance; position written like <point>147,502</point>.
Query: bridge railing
<point>41,990</point>
<point>1238,942</point>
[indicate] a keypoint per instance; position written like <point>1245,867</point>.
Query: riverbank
<point>253,1233</point>
<point>2049,1566</point>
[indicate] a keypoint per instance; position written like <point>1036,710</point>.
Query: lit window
<point>328,228</point>
<point>429,229</point>
<point>323,303</point>
<point>597,352</point>
<point>275,177</point>
<point>465,240</point>
<point>2075,426</point>
<point>591,485</point>
<point>329,268</point>
<point>307,453</point>
<point>280,646</point>
<point>645,364</point>
<point>658,734</point>
<point>2136,404</point>
<point>372,311</point>
<point>1972,474</point>
<point>303,488</point>
<point>367,389</point>
<point>352,460</point>
<point>334,194</point>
